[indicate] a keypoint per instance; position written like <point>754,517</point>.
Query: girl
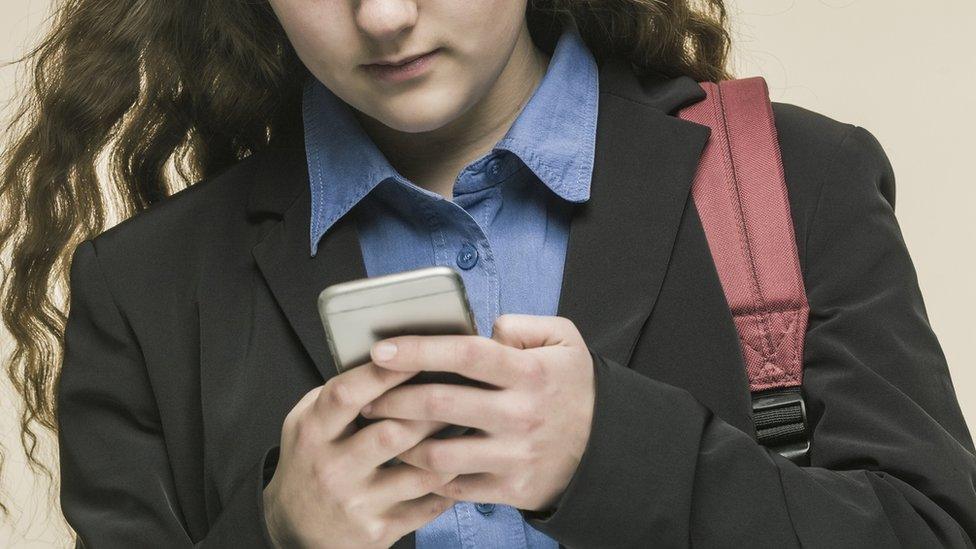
<point>536,149</point>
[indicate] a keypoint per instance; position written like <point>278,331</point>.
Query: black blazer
<point>193,331</point>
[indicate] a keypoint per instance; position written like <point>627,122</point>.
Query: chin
<point>420,113</point>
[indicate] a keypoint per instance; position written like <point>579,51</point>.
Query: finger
<point>476,407</point>
<point>474,453</point>
<point>378,442</point>
<point>472,356</point>
<point>530,331</point>
<point>341,397</point>
<point>404,482</point>
<point>477,487</point>
<point>408,516</point>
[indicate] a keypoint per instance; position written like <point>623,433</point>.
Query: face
<point>477,41</point>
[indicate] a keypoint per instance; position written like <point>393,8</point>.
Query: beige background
<point>902,72</point>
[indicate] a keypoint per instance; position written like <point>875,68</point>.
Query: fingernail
<point>384,350</point>
<point>367,409</point>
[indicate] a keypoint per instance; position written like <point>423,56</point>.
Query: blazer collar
<point>620,239</point>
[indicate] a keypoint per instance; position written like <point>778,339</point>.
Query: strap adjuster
<point>780,420</point>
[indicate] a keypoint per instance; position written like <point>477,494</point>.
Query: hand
<point>329,490</point>
<point>534,418</point>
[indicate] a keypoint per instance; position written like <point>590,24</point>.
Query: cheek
<point>488,25</point>
<point>321,33</point>
<point>332,63</point>
<point>486,43</point>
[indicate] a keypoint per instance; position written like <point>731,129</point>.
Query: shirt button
<point>493,167</point>
<point>485,508</point>
<point>467,257</point>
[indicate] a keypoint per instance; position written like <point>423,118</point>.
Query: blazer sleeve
<point>891,460</point>
<point>117,489</point>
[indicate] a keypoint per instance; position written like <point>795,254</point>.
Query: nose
<point>385,19</point>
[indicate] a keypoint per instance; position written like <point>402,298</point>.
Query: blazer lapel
<point>620,239</point>
<point>283,255</point>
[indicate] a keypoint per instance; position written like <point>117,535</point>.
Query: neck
<point>433,159</point>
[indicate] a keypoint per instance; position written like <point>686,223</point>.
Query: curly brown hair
<point>197,85</point>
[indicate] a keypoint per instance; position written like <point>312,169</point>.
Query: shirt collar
<point>554,135</point>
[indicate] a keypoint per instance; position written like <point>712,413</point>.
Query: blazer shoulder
<point>810,140</point>
<point>172,243</point>
<point>822,154</point>
<point>204,213</point>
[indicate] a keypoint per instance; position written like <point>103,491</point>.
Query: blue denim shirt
<point>505,230</point>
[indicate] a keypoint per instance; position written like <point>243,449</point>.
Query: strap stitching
<point>744,230</point>
<point>790,331</point>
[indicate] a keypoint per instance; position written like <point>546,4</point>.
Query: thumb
<point>530,331</point>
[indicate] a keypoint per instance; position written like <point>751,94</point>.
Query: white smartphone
<point>427,301</point>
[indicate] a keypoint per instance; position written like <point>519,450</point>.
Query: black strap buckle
<point>780,420</point>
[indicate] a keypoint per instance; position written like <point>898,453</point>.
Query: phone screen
<point>426,301</point>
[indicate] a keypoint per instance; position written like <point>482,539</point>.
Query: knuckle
<point>437,457</point>
<point>353,505</point>
<point>439,506</point>
<point>388,435</point>
<point>503,324</point>
<point>446,503</point>
<point>426,481</point>
<point>519,485</point>
<point>534,370</point>
<point>526,417</point>
<point>338,393</point>
<point>375,531</point>
<point>525,454</point>
<point>453,490</point>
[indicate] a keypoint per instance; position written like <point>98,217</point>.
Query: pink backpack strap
<point>741,197</point>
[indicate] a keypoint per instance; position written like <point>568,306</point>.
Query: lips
<point>401,62</point>
<point>406,70</point>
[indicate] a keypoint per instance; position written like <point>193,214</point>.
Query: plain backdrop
<point>903,71</point>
